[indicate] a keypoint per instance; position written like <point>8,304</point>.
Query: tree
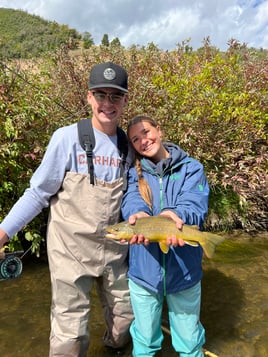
<point>87,40</point>
<point>115,42</point>
<point>105,40</point>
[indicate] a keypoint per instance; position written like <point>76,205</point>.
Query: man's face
<point>107,105</point>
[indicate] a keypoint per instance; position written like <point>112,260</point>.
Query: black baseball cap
<point>108,75</point>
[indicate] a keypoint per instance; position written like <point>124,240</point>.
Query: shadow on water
<point>222,297</point>
<point>234,307</point>
<point>234,298</point>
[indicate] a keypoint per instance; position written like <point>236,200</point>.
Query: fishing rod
<point>11,263</point>
<point>166,329</point>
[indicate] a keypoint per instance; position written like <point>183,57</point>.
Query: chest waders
<point>79,254</point>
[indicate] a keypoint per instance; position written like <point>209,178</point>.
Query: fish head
<point>119,231</point>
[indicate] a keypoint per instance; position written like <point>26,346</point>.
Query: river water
<point>234,306</point>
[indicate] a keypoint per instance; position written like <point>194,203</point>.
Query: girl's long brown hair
<point>144,187</point>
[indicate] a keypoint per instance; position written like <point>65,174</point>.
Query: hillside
<point>26,36</point>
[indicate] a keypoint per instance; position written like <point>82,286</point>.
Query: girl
<point>164,181</point>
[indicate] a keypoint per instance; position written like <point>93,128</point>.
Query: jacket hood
<point>176,156</point>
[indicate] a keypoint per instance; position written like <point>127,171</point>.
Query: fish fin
<point>209,246</point>
<point>193,244</point>
<point>164,247</point>
<point>209,249</point>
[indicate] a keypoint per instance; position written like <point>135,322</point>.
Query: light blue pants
<point>187,333</point>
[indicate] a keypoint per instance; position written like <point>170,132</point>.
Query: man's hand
<point>3,238</point>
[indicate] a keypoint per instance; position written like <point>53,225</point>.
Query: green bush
<point>26,125</point>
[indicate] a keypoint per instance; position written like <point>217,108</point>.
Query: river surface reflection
<point>234,306</point>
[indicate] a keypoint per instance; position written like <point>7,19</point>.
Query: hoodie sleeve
<point>132,200</point>
<point>191,202</point>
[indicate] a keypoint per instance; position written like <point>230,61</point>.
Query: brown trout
<point>159,228</point>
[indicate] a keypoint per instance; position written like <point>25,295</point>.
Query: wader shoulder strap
<point>87,142</point>
<point>122,144</point>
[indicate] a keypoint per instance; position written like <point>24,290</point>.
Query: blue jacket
<point>178,183</point>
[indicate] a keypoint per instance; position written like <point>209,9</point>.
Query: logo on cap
<point>109,74</point>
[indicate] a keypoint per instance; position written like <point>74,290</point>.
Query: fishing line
<point>23,255</point>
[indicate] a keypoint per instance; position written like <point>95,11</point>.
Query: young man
<point>78,253</point>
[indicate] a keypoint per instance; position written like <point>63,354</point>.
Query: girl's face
<point>146,140</point>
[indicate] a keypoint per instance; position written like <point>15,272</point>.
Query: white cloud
<point>165,30</point>
<point>165,23</point>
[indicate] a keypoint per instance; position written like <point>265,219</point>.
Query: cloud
<point>253,23</point>
<point>165,23</point>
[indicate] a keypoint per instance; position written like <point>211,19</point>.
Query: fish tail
<point>210,244</point>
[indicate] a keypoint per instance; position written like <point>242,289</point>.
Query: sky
<point>166,23</point>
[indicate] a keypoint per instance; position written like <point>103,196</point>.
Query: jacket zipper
<point>161,192</point>
<point>163,255</point>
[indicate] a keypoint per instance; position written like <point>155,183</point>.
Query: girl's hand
<point>138,239</point>
<point>179,224</point>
